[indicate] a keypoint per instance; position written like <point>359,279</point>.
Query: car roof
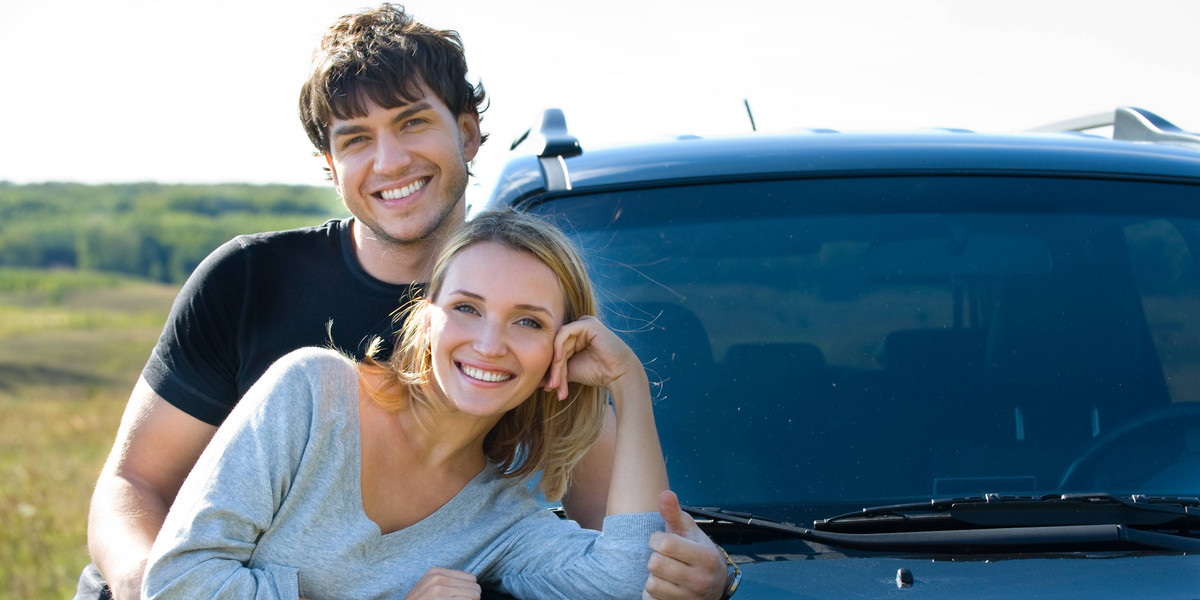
<point>693,159</point>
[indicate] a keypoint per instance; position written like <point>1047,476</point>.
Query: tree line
<point>156,231</point>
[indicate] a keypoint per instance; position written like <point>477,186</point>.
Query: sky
<point>206,92</point>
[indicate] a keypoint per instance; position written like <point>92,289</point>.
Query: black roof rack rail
<point>554,144</point>
<point>1130,124</point>
<point>551,135</point>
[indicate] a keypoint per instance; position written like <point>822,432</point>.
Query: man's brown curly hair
<point>384,56</point>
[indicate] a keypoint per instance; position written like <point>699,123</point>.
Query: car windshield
<point>817,345</point>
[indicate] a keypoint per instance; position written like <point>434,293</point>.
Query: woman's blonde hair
<point>543,434</point>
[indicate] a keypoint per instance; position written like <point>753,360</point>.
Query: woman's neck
<point>445,440</point>
<point>409,471</point>
<point>419,434</point>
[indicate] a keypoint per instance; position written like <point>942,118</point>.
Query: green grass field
<point>71,347</point>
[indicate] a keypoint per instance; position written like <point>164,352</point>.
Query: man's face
<point>402,171</point>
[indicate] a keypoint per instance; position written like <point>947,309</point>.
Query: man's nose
<point>392,155</point>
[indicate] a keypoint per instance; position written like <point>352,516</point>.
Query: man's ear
<point>468,128</point>
<point>333,175</point>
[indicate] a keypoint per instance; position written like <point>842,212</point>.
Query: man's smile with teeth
<point>404,192</point>
<point>480,374</point>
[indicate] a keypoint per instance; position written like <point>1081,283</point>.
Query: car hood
<point>1098,576</point>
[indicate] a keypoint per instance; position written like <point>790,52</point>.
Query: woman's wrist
<point>630,390</point>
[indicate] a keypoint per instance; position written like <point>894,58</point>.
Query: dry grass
<point>71,347</point>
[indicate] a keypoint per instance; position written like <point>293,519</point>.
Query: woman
<point>409,479</point>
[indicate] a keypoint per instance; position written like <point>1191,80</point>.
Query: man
<point>389,107</point>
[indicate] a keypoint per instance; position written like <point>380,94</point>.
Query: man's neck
<point>393,262</point>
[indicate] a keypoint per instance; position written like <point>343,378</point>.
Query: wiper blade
<point>996,511</point>
<point>750,521</point>
<point>972,539</point>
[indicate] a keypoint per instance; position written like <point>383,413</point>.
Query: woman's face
<point>492,328</point>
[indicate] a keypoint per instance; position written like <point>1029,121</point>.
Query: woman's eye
<point>465,308</point>
<point>530,322</point>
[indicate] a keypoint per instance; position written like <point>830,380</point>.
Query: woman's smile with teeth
<point>480,374</point>
<point>404,192</point>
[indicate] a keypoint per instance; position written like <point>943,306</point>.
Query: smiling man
<point>402,173</point>
<point>389,106</point>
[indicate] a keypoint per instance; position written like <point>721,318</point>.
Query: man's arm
<point>685,565</point>
<point>587,495</point>
<point>156,446</point>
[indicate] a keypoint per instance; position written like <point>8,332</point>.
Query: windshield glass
<point>821,344</point>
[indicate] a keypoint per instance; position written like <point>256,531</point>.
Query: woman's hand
<point>587,352</point>
<point>440,584</point>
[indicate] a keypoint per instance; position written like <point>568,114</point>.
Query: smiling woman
<point>330,472</point>
<point>511,288</point>
<point>500,342</point>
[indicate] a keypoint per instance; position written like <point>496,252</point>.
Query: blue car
<point>937,364</point>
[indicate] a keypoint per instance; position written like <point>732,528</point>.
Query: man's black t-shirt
<point>251,301</point>
<point>258,297</point>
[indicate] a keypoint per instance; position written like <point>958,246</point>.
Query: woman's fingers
<point>588,352</point>
<point>439,583</point>
<point>566,345</point>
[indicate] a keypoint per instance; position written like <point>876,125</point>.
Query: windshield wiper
<point>932,527</point>
<point>996,511</point>
<point>708,517</point>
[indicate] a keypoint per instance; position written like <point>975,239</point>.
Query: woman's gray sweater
<point>273,509</point>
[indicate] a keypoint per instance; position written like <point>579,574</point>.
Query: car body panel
<point>1101,576</point>
<point>826,154</point>
<point>837,321</point>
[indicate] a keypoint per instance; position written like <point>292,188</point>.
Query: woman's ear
<point>427,322</point>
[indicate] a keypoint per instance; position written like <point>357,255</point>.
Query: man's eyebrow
<point>529,307</point>
<point>348,129</point>
<point>409,111</point>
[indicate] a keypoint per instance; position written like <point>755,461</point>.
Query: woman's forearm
<point>639,472</point>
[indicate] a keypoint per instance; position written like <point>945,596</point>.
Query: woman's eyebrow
<point>529,307</point>
<point>533,308</point>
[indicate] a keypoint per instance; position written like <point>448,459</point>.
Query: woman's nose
<point>491,341</point>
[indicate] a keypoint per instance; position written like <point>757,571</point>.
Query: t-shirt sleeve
<point>551,558</point>
<point>194,366</point>
<point>232,494</point>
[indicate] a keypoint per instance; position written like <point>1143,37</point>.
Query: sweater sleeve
<point>231,495</point>
<point>551,558</point>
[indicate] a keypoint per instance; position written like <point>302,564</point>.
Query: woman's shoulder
<point>313,361</point>
<point>321,374</point>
